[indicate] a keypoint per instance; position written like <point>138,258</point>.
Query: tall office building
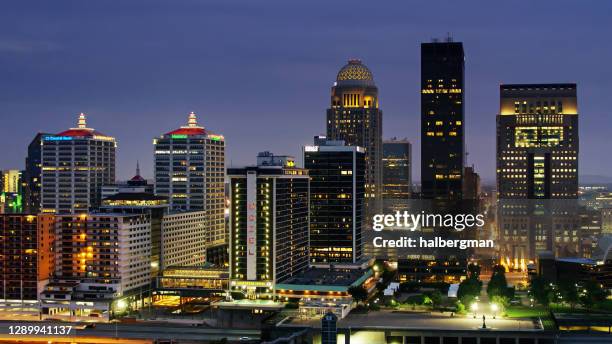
<point>442,120</point>
<point>337,190</point>
<point>26,256</point>
<point>537,142</point>
<point>268,224</point>
<point>397,174</point>
<point>354,117</point>
<point>537,161</point>
<point>32,175</point>
<point>190,172</point>
<point>75,165</point>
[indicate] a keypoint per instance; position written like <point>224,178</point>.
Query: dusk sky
<point>260,72</point>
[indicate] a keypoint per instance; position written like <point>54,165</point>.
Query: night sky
<point>260,72</point>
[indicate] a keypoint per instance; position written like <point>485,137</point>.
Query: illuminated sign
<point>57,138</point>
<point>215,137</point>
<point>178,136</point>
<point>251,226</point>
<point>311,148</point>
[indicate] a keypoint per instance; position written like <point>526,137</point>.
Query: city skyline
<point>135,94</point>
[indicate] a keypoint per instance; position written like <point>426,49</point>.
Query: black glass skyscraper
<point>442,120</point>
<point>337,188</point>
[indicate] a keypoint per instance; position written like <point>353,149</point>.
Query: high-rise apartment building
<point>337,190</point>
<point>190,172</point>
<point>442,120</point>
<point>26,255</point>
<point>354,116</point>
<point>11,192</point>
<point>537,172</point>
<point>268,224</point>
<point>75,165</point>
<point>102,264</point>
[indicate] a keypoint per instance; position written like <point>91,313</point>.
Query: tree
<point>435,297</point>
<point>359,293</point>
<point>474,271</point>
<point>540,291</point>
<point>592,293</point>
<point>468,290</point>
<point>501,301</point>
<point>498,286</point>
<point>569,293</point>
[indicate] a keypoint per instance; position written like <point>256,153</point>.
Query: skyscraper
<point>32,176</point>
<point>354,117</point>
<point>268,224</point>
<point>442,120</point>
<point>537,161</point>
<point>337,187</point>
<point>537,142</point>
<point>190,172</point>
<point>75,165</point>
<point>397,174</point>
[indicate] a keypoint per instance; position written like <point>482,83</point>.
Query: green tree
<point>540,291</point>
<point>498,286</point>
<point>569,293</point>
<point>592,294</point>
<point>501,301</point>
<point>468,290</point>
<point>435,297</point>
<point>474,271</point>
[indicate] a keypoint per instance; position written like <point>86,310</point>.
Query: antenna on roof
<point>449,38</point>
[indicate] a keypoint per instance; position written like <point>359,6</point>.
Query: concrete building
<point>190,172</point>
<point>102,265</point>
<point>75,165</point>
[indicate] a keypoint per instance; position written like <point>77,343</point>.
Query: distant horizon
<point>254,74</point>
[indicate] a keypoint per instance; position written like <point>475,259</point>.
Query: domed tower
<point>354,117</point>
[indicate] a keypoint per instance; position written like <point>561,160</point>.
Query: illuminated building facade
<point>11,192</point>
<point>11,181</point>
<point>190,172</point>
<point>268,224</point>
<point>183,239</point>
<point>397,174</point>
<point>442,120</point>
<point>26,256</point>
<point>102,264</point>
<point>354,117</point>
<point>537,161</point>
<point>32,175</point>
<point>537,142</point>
<point>337,188</point>
<point>75,165</point>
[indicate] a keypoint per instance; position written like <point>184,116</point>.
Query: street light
<point>494,308</point>
<point>474,308</point>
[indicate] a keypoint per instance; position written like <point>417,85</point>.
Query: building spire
<point>137,168</point>
<point>193,120</point>
<point>82,123</point>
